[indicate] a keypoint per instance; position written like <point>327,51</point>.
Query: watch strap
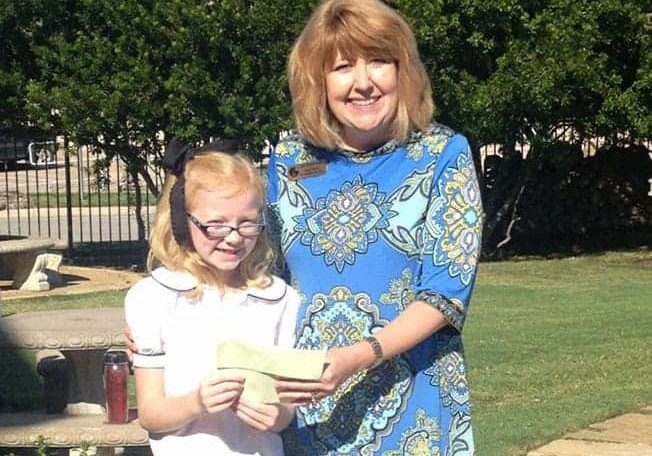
<point>377,349</point>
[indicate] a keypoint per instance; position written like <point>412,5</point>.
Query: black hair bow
<point>177,153</point>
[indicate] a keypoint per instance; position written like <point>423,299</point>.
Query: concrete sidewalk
<point>77,280</point>
<point>626,435</point>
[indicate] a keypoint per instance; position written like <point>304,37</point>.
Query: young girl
<point>213,283</point>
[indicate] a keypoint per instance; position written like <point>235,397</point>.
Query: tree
<point>16,62</point>
<point>115,74</point>
<point>512,72</point>
<point>122,76</point>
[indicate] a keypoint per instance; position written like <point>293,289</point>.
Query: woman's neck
<point>364,142</point>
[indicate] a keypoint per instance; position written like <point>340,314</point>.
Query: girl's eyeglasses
<point>219,230</point>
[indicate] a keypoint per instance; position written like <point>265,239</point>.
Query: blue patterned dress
<point>362,240</point>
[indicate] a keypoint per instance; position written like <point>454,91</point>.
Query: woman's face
<point>227,252</point>
<point>363,97</point>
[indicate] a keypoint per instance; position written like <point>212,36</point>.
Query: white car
<point>36,152</point>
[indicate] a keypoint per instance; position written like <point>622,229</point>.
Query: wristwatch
<point>377,349</point>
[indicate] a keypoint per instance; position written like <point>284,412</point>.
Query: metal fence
<point>74,196</point>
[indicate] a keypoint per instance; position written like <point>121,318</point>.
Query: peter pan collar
<point>273,293</point>
<point>174,280</point>
<point>184,281</point>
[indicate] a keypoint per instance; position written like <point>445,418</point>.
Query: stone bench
<point>81,336</point>
<point>28,263</point>
<point>23,429</point>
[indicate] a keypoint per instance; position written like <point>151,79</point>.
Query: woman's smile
<point>363,97</point>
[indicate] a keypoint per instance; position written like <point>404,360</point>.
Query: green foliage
<point>195,70</point>
<point>79,301</point>
<point>16,61</point>
<point>513,69</point>
<point>115,74</point>
<point>21,388</point>
<point>84,446</point>
<point>553,346</point>
<point>41,446</point>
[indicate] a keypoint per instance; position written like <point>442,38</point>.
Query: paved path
<point>77,280</point>
<point>626,435</point>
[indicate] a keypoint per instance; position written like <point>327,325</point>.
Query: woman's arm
<point>159,413</point>
<point>418,321</point>
<point>443,290</point>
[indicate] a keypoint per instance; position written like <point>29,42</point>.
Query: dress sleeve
<point>145,308</point>
<point>452,233</point>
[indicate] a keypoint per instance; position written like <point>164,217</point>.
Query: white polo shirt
<point>180,336</point>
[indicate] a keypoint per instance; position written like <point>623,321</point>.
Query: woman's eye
<point>340,66</point>
<point>380,61</point>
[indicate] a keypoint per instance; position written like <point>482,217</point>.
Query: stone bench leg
<point>30,273</point>
<point>86,387</point>
<point>54,368</point>
<point>52,264</point>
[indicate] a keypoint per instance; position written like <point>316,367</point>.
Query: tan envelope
<point>261,365</point>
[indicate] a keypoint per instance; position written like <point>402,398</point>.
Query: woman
<point>378,217</point>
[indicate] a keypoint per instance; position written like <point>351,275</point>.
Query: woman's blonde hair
<point>213,171</point>
<point>355,28</point>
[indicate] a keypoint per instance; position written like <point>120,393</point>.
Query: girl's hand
<point>264,417</point>
<point>219,391</point>
<point>342,363</point>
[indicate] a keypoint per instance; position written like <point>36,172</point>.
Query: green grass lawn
<point>555,345</point>
<point>552,345</point>
<point>91,199</point>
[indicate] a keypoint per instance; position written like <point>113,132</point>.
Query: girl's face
<point>224,253</point>
<point>363,96</point>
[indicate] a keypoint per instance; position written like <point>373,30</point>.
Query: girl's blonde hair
<point>355,28</point>
<point>213,171</point>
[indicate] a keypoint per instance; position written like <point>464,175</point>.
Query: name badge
<point>306,170</point>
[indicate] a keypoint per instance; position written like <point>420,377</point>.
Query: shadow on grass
<point>21,388</point>
<point>119,255</point>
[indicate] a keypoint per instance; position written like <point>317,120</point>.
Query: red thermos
<point>116,373</point>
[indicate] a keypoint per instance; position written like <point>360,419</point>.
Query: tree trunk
<point>506,196</point>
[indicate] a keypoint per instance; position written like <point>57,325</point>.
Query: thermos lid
<point>115,357</point>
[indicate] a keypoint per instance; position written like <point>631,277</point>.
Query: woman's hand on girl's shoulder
<point>219,391</point>
<point>131,345</point>
<point>264,417</point>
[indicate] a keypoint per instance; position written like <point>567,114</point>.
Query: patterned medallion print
<point>431,144</point>
<point>366,406</point>
<point>420,440</point>
<point>404,232</point>
<point>344,222</point>
<point>294,146</point>
<point>455,221</point>
<point>448,372</point>
<point>460,437</point>
<point>401,291</point>
<point>292,198</point>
